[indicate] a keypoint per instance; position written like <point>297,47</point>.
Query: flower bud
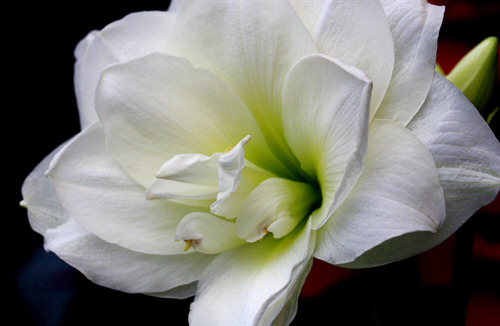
<point>475,73</point>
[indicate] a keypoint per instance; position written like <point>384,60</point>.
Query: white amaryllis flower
<point>225,144</point>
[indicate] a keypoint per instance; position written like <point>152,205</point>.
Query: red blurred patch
<point>460,10</point>
<point>324,276</point>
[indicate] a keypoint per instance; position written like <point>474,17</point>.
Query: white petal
<point>40,198</point>
<point>186,176</point>
<point>415,27</point>
<point>251,46</point>
<point>397,193</point>
<point>250,285</point>
<point>325,115</point>
<point>169,189</point>
<point>281,309</point>
<point>357,32</point>
<point>191,168</point>
<point>276,205</point>
<point>158,106</point>
<point>310,12</point>
<point>230,205</point>
<point>467,156</point>
<point>95,191</point>
<point>131,37</point>
<point>121,269</point>
<point>179,292</point>
<point>207,233</point>
<point>231,165</point>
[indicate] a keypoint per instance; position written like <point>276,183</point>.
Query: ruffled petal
<point>325,115</point>
<point>356,32</point>
<point>95,191</point>
<point>251,285</point>
<point>397,193</point>
<point>230,205</point>
<point>467,156</point>
<point>415,27</point>
<point>231,165</point>
<point>251,46</point>
<point>186,176</point>
<point>276,205</point>
<point>191,168</point>
<point>207,233</point>
<point>121,269</point>
<point>169,189</point>
<point>132,37</point>
<point>158,106</point>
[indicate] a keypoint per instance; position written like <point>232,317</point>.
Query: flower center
<point>234,201</point>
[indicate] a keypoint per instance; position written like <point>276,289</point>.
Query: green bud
<point>475,73</point>
<point>492,115</point>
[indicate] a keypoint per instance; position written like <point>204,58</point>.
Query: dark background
<point>40,105</point>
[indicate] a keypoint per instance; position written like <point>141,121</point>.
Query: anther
<point>188,245</point>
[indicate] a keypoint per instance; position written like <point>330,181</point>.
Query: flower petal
<point>415,27</point>
<point>121,269</point>
<point>186,176</point>
<point>231,165</point>
<point>191,168</point>
<point>230,205</point>
<point>95,191</point>
<point>169,189</point>
<point>339,29</point>
<point>397,193</point>
<point>467,156</point>
<point>207,233</point>
<point>250,285</point>
<point>325,115</point>
<point>134,36</point>
<point>276,205</point>
<point>158,106</point>
<point>251,46</point>
<point>40,198</point>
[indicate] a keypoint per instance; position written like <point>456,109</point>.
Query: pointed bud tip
<point>475,73</point>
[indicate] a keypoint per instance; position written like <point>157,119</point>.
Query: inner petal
<point>207,233</point>
<point>276,205</point>
<point>231,165</point>
<point>186,176</point>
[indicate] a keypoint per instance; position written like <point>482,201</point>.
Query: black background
<point>40,113</point>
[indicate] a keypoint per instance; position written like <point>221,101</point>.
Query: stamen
<point>188,245</point>
<point>228,149</point>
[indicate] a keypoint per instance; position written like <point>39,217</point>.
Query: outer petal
<point>250,285</point>
<point>397,193</point>
<point>40,198</point>
<point>251,46</point>
<point>467,156</point>
<point>134,36</point>
<point>356,32</point>
<point>159,106</point>
<point>95,191</point>
<point>121,269</point>
<point>325,115</point>
<point>415,27</point>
